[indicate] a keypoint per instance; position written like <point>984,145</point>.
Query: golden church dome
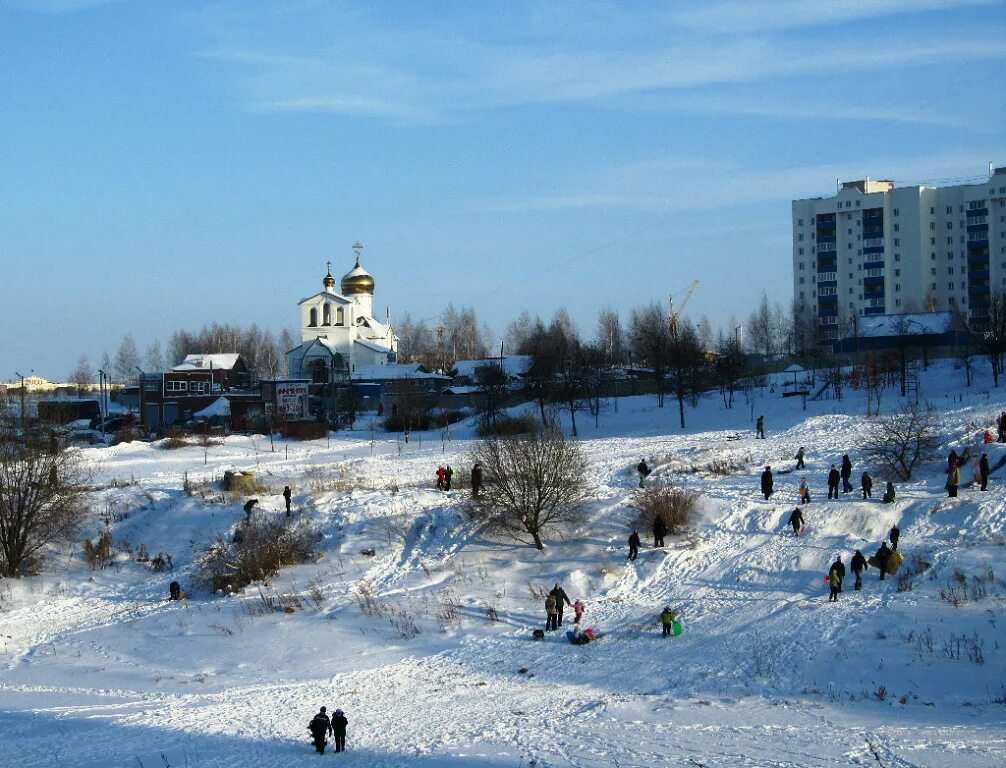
<point>357,280</point>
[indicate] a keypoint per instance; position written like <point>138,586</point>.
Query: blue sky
<point>168,164</point>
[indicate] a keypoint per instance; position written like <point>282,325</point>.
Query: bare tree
<point>684,362</point>
<point>518,334</point>
<point>41,499</point>
<point>731,366</point>
<point>610,336</point>
<point>492,388</point>
<point>82,376</point>
<point>903,440</point>
<point>761,328</point>
<point>533,483</point>
<point>994,335</point>
<point>651,339</point>
<point>127,360</point>
<point>153,360</point>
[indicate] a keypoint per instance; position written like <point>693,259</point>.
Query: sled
<point>894,562</point>
<point>872,561</point>
<point>676,628</point>
<point>538,634</point>
<point>803,530</point>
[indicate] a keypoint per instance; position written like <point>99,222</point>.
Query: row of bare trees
<point>457,335</point>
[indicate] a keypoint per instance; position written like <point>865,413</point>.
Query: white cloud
<point>747,17</point>
<point>690,184</point>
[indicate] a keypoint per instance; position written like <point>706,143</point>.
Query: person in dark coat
<point>858,565</point>
<point>643,470</point>
<point>766,482</point>
<point>248,508</point>
<point>867,486</point>
<point>833,478</point>
<point>846,473</point>
<point>796,520</point>
<point>835,575</point>
<point>799,458</point>
<point>339,723</point>
<point>175,591</point>
<point>287,494</point>
<point>320,726</point>
<point>633,544</point>
<point>560,596</point>
<point>883,555</point>
<point>477,479</point>
<point>952,460</point>
<point>894,535</point>
<point>983,471</point>
<point>659,530</point>
<point>1002,427</point>
<point>760,427</point>
<point>889,493</point>
<point>448,474</point>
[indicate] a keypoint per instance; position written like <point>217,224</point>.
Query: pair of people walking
<point>321,726</point>
<point>444,475</point>
<point>554,605</point>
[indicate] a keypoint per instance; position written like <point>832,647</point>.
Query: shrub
<point>173,443</point>
<point>262,548</point>
<point>671,504</point>
<point>508,426</point>
<point>902,441</point>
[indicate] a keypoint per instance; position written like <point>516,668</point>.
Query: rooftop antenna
<point>990,169</point>
<point>838,184</point>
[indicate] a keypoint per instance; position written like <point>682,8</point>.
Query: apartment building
<point>874,249</point>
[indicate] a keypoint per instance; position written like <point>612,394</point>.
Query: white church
<point>338,331</point>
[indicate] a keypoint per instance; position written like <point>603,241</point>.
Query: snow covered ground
<point>100,670</point>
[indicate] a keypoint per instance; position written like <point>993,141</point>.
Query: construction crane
<point>672,314</point>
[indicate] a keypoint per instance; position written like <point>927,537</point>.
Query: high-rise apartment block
<point>875,249</point>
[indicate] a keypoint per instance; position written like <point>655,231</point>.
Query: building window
<point>896,213</point>
<point>934,286</point>
<point>897,257</point>
<point>800,252</point>
<point>801,281</point>
<point>932,211</point>
<point>932,225</point>
<point>801,266</point>
<point>897,273</point>
<point>897,241</point>
<point>934,270</point>
<point>950,270</point>
<point>897,287</point>
<point>897,227</point>
<point>799,222</point>
<point>950,210</point>
<point>313,318</point>
<point>339,316</point>
<point>950,225</point>
<point>932,241</point>
<point>176,386</point>
<point>326,315</point>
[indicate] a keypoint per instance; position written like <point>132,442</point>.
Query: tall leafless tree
<point>651,340</point>
<point>82,375</point>
<point>534,483</point>
<point>901,441</point>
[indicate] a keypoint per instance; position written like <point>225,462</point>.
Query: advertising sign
<point>291,400</point>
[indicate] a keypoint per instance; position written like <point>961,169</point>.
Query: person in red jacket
<point>441,477</point>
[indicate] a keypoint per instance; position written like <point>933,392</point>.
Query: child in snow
<point>578,607</point>
<point>804,492</point>
<point>667,620</point>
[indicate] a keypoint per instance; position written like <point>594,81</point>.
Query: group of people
<point>659,531</point>
<point>322,726</point>
<point>555,603</point>
<point>859,563</point>
<point>444,475</point>
<point>835,476</point>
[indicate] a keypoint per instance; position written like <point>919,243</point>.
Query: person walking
<point>804,492</point>
<point>249,507</point>
<point>953,480</point>
<point>760,427</point>
<point>867,486</point>
<point>796,520</point>
<point>319,726</point>
<point>667,621</point>
<point>287,495</point>
<point>441,476</point>
<point>833,478</point>
<point>633,545</point>
<point>846,473</point>
<point>889,493</point>
<point>858,565</point>
<point>659,530</point>
<point>578,607</point>
<point>799,458</point>
<point>560,597</point>
<point>894,535</point>
<point>339,723</point>
<point>883,555</point>
<point>448,474</point>
<point>766,482</point>
<point>643,470</point>
<point>835,576</point>
<point>983,471</point>
<point>1002,427</point>
<point>477,479</point>
<point>551,613</point>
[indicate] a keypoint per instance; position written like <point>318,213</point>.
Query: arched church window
<point>313,321</point>
<point>326,314</point>
<point>340,317</point>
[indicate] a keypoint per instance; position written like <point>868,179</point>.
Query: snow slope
<point>99,670</point>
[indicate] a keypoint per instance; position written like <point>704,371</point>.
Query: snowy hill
<point>100,670</point>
